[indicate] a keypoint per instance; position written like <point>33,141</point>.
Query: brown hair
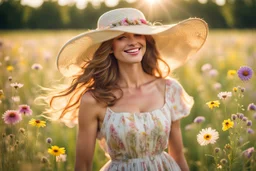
<point>100,76</point>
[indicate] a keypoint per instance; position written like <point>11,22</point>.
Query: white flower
<point>61,158</point>
<point>37,66</point>
<point>16,98</point>
<point>16,85</point>
<point>206,67</point>
<point>224,95</point>
<point>207,136</point>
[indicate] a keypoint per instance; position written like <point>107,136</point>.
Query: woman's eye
<point>122,37</point>
<point>138,35</point>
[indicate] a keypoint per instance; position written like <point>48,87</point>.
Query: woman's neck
<point>133,76</point>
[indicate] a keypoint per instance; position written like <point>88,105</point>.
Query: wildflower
<point>213,104</point>
<point>11,117</point>
<point>224,95</point>
<point>206,67</point>
<point>227,146</point>
<point>226,124</point>
<point>11,136</point>
<point>48,140</point>
<point>231,73</point>
<point>245,73</point>
<point>240,115</point>
<point>25,110</point>
<point>9,68</point>
<point>207,136</point>
<point>233,117</point>
<point>245,119</point>
<point>22,130</point>
<point>37,66</point>
<point>37,123</point>
<point>251,107</point>
<point>219,166</point>
<point>213,72</point>
<point>223,161</point>
<point>249,123</point>
<point>1,94</point>
<point>16,98</point>
<point>235,89</point>
<point>10,78</point>
<point>61,158</point>
<point>216,86</point>
<point>242,89</point>
<point>250,131</point>
<point>56,151</point>
<point>3,135</point>
<point>16,85</point>
<point>248,153</point>
<point>44,160</point>
<point>199,119</point>
<point>217,150</point>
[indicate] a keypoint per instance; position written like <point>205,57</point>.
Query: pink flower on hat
<point>124,22</point>
<point>143,21</point>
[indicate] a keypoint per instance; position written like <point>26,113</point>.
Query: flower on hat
<point>127,22</point>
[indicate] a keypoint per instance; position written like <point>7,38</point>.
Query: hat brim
<point>176,43</point>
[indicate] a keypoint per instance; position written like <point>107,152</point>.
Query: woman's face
<point>129,48</point>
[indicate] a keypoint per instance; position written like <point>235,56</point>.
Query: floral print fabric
<point>136,142</point>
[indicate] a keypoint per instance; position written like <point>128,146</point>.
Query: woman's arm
<point>175,146</point>
<point>87,132</point>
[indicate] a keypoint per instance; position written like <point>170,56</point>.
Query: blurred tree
<point>11,14</point>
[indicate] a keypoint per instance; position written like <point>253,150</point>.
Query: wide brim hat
<point>175,42</point>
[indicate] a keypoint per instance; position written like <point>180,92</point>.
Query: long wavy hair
<point>99,76</point>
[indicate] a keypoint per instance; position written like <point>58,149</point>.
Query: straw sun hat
<point>176,42</point>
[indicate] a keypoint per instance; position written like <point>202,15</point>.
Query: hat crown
<point>118,15</point>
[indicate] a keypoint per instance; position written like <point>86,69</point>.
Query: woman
<point>121,93</point>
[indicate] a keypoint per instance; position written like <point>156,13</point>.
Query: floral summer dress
<point>136,142</point>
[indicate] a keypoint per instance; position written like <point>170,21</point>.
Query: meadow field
<point>222,73</point>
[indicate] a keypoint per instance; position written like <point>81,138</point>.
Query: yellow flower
<point>213,104</point>
<point>226,124</point>
<point>9,68</point>
<point>56,151</point>
<point>235,89</point>
<point>1,94</point>
<point>231,73</point>
<point>37,123</point>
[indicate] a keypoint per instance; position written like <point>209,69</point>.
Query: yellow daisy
<point>231,73</point>
<point>235,89</point>
<point>213,104</point>
<point>38,123</point>
<point>9,68</point>
<point>56,151</point>
<point>226,124</point>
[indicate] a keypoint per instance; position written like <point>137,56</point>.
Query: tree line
<point>234,14</point>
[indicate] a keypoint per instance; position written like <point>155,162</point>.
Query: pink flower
<point>25,109</point>
<point>12,117</point>
<point>124,22</point>
<point>143,21</point>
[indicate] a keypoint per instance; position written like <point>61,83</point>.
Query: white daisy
<point>37,66</point>
<point>16,85</point>
<point>224,95</point>
<point>207,136</point>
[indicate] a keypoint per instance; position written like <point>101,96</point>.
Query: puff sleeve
<point>179,101</point>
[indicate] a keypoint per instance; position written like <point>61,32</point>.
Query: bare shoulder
<point>90,108</point>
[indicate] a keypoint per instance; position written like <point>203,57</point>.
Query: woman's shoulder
<point>90,104</point>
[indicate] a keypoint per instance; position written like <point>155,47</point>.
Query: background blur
<point>63,14</point>
<point>33,31</point>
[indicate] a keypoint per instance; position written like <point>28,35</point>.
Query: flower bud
<point>223,161</point>
<point>217,150</point>
<point>233,117</point>
<point>48,140</point>
<point>249,123</point>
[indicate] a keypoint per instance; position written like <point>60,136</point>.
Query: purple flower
<point>199,119</point>
<point>25,109</point>
<point>251,107</point>
<point>12,117</point>
<point>250,131</point>
<point>248,153</point>
<point>245,73</point>
<point>249,123</point>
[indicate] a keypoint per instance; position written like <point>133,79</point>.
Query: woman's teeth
<point>132,50</point>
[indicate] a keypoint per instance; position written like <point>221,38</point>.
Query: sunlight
<point>151,1</point>
<point>81,4</point>
<point>111,3</point>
